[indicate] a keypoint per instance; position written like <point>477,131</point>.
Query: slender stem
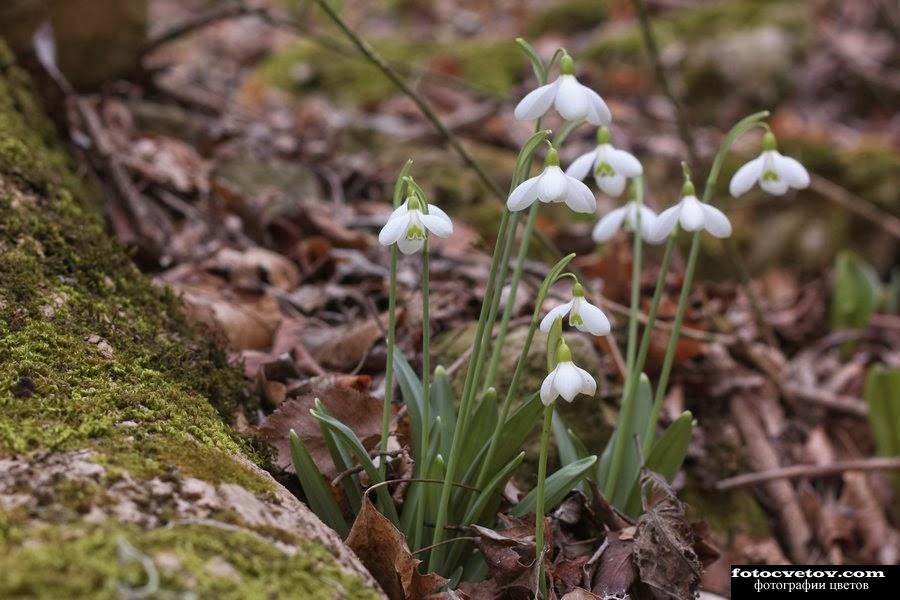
<point>498,292</point>
<point>472,374</point>
<point>636,260</point>
<point>497,350</point>
<point>630,391</point>
<point>673,342</point>
<point>389,367</point>
<point>539,500</point>
<point>424,467</point>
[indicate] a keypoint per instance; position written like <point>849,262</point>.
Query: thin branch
<point>797,471</point>
<point>857,205</point>
<point>202,21</point>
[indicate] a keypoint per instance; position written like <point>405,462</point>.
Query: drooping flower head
<point>567,379</point>
<point>552,185</point>
<point>572,100</point>
<point>775,172</point>
<point>626,214</point>
<point>611,167</point>
<point>409,224</point>
<point>583,315</point>
<point>692,215</point>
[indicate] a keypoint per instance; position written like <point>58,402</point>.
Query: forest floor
<point>262,156</point>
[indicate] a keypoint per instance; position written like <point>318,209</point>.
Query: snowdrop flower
<point>552,185</point>
<point>692,215</point>
<point>611,167</point>
<point>612,221</point>
<point>774,172</point>
<point>571,99</point>
<point>567,379</point>
<point>408,225</point>
<point>583,315</point>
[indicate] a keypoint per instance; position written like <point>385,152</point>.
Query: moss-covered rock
<point>113,412</point>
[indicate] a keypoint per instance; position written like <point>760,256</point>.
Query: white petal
<point>648,222</point>
<point>624,163</point>
<point>588,383</point>
<point>548,389</point>
<point>746,176</point>
<point>716,222</point>
<point>524,195</point>
<point>598,113</point>
<point>553,185</point>
<point>611,185</point>
<point>691,217</point>
<point>571,99</point>
<point>537,102</point>
<point>776,188</point>
<point>665,223</point>
<point>609,224</point>
<point>400,210</point>
<point>568,380</point>
<point>409,246</point>
<point>593,319</point>
<point>791,171</point>
<point>437,225</point>
<point>435,210</point>
<point>582,165</point>
<point>580,198</point>
<point>555,313</point>
<point>394,229</point>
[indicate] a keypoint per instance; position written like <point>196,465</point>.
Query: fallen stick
<point>797,471</point>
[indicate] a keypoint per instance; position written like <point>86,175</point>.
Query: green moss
<point>210,562</point>
<point>567,16</point>
<point>732,512</point>
<point>489,66</point>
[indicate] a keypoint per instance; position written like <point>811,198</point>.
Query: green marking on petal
<point>415,232</point>
<point>604,169</point>
<point>770,175</point>
<point>575,319</point>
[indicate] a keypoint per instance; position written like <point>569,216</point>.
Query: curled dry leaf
<point>616,573</point>
<point>664,542</point>
<point>254,268</point>
<point>357,410</point>
<point>343,348</point>
<point>382,549</point>
<point>509,554</point>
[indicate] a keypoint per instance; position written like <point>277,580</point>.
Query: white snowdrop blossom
<point>572,100</point>
<point>552,185</point>
<point>628,214</point>
<point>611,167</point>
<point>583,315</point>
<point>775,172</point>
<point>692,215</point>
<point>408,225</point>
<point>567,379</point>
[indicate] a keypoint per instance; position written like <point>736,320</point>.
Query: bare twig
<point>826,399</point>
<point>229,11</point>
<point>856,205</point>
<point>797,471</point>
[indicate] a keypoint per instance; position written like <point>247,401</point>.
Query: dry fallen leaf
<point>382,549</point>
<point>663,543</point>
<point>615,576</point>
<point>357,410</point>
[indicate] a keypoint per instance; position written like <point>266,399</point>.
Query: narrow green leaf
<point>553,338</point>
<point>635,428</point>
<point>556,487</point>
<point>565,445</point>
<point>540,72</point>
<point>386,503</point>
<point>494,486</point>
<point>856,292</point>
<point>317,490</point>
<point>411,390</point>
<point>342,462</point>
<point>400,184</point>
<point>882,393</point>
<point>526,155</point>
<point>443,407</point>
<point>482,426</point>
<point>565,132</point>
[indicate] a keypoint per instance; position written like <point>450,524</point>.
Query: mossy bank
<point>99,368</point>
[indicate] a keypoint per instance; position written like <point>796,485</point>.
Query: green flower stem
<point>389,367</point>
<point>424,468</point>
<point>636,259</point>
<point>539,500</point>
<point>497,350</point>
<point>501,279</point>
<point>473,373</point>
<point>630,391</point>
<point>513,389</point>
<point>673,342</point>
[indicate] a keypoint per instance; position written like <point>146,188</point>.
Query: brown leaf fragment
<point>509,554</point>
<point>253,268</point>
<point>382,549</point>
<point>663,543</point>
<point>616,573</point>
<point>581,594</point>
<point>357,410</point>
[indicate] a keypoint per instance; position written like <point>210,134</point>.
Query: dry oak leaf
<point>664,542</point>
<point>382,549</point>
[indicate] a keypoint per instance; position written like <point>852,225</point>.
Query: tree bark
<point>119,476</point>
